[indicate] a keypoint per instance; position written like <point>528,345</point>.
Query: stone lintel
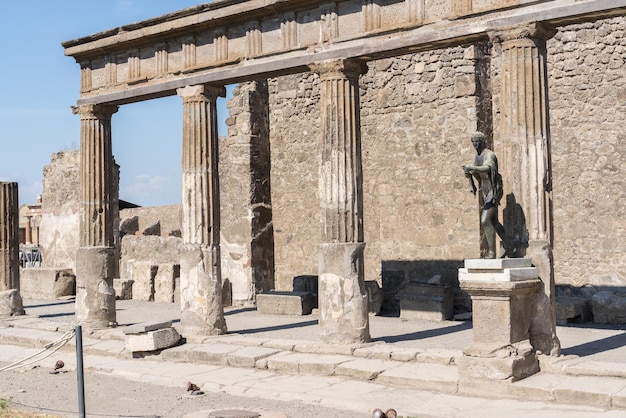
<point>394,39</point>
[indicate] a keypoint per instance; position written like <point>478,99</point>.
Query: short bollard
<point>79,371</point>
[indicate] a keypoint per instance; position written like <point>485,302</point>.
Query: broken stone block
<point>47,283</point>
<point>305,283</point>
<point>143,276</point>
<point>427,302</point>
<point>152,340</point>
<point>154,229</point>
<point>65,284</point>
<point>11,303</point>
<point>150,336</point>
<point>129,226</point>
<point>165,282</point>
<point>609,307</point>
<point>123,289</point>
<point>572,310</point>
<point>285,303</point>
<point>375,296</point>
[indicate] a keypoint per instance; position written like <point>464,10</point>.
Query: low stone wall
<point>47,283</point>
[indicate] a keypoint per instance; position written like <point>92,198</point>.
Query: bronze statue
<point>484,167</point>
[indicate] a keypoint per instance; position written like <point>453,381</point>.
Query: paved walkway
<point>410,365</point>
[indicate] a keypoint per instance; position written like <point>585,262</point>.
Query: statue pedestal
<point>502,292</point>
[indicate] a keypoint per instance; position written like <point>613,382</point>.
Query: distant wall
<point>60,220</point>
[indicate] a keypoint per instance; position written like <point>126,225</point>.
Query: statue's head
<point>478,140</point>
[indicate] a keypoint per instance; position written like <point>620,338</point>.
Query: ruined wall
<point>168,217</point>
<point>417,112</point>
<point>247,238</point>
<point>60,220</point>
<point>587,67</point>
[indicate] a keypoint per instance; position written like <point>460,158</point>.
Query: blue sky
<point>39,84</point>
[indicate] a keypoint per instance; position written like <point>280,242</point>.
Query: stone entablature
<point>229,41</point>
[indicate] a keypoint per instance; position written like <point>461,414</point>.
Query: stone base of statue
<point>502,292</point>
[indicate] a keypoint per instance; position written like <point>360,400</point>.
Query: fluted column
<point>96,175</point>
<point>343,299</point>
<point>9,237</point>
<point>524,128</point>
<point>95,258</point>
<point>201,284</point>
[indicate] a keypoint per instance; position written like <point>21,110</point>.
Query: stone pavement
<point>409,365</point>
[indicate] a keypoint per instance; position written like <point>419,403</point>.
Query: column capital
<point>95,111</point>
<point>339,68</point>
<point>530,31</point>
<point>201,92</point>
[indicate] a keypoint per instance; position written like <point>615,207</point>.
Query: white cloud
<point>149,190</point>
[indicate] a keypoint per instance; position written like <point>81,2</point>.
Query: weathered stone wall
<point>587,67</point>
<point>60,219</point>
<point>169,217</point>
<point>147,249</point>
<point>296,155</point>
<point>417,112</point>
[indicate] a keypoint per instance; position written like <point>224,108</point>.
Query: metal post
<point>79,371</point>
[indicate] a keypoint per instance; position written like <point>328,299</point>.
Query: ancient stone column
<point>343,302</point>
<point>95,260</point>
<point>525,138</point>
<point>200,275</point>
<point>9,237</point>
<point>10,298</point>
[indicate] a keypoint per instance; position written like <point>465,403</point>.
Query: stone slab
<point>152,340</point>
<point>285,303</point>
<point>589,390</point>
<point>506,275</point>
<point>496,263</point>
<point>248,356</point>
<point>365,369</point>
<point>423,301</point>
<point>146,326</point>
<point>423,376</point>
<point>211,353</point>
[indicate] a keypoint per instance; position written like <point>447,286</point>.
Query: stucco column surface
<point>524,129</point>
<point>96,175</point>
<point>9,237</point>
<point>95,260</point>
<point>201,284</point>
<point>343,302</point>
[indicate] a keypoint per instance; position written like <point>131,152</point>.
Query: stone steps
<point>564,380</point>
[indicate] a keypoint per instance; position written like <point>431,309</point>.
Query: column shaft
<point>9,237</point>
<point>343,299</point>
<point>95,258</point>
<point>524,127</point>
<point>202,310</point>
<point>96,175</point>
